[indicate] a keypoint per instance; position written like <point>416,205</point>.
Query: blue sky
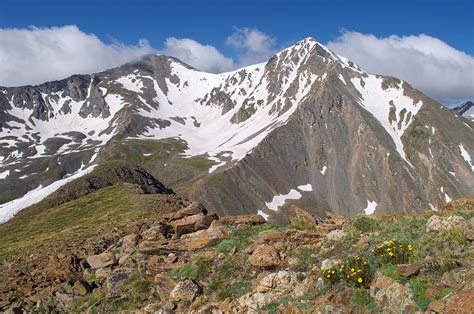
<point>281,23</point>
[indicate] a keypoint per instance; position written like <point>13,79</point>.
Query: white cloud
<point>202,57</point>
<point>36,55</point>
<point>426,62</point>
<point>253,45</point>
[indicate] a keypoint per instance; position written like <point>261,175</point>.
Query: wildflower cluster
<point>394,252</point>
<point>354,269</point>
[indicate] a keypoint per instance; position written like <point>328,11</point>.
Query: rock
<point>435,223</point>
<point>193,209</point>
<point>458,278</point>
<point>336,235</point>
<point>437,306</point>
<point>408,270</point>
<point>254,301</point>
<point>242,220</point>
<point>65,300</point>
<point>101,260</point>
<point>469,230</point>
<point>116,280</point>
<point>191,224</point>
<point>275,281</point>
<point>202,238</point>
<point>129,242</point>
<point>462,302</point>
<point>391,295</point>
<point>81,287</point>
<point>159,231</point>
<point>186,290</point>
<point>102,272</point>
<point>164,285</point>
<point>265,256</point>
<point>301,215</point>
<point>328,263</point>
<point>125,260</point>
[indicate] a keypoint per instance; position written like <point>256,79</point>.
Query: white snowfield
<point>376,100</point>
<point>10,209</point>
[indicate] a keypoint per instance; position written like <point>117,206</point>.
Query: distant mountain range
<point>466,109</point>
<point>307,127</point>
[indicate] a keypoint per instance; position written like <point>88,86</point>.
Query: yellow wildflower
<point>359,280</point>
<point>390,253</point>
<point>329,276</point>
<point>352,270</point>
<point>365,263</point>
<point>409,247</point>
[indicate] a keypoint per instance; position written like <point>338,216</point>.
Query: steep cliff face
<point>308,126</point>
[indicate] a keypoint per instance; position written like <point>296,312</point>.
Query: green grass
<point>306,259</point>
<point>235,290</point>
<point>242,238</point>
<point>82,218</point>
<point>196,270</point>
<point>418,288</point>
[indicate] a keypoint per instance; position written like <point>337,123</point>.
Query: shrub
<point>447,243</point>
<point>394,252</point>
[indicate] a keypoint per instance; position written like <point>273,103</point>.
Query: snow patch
<point>307,187</point>
<point>370,209</point>
<point>466,156</point>
<point>323,171</point>
<point>261,213</point>
<point>280,200</point>
<point>10,209</point>
<point>4,174</point>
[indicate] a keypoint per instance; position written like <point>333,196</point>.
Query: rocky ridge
<point>190,260</point>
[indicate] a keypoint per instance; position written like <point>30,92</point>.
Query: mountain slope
<point>307,126</point>
<point>465,109</point>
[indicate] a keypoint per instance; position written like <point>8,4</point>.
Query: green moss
<point>390,270</point>
<point>362,300</point>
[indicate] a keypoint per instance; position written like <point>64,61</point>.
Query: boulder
<point>193,209</point>
<point>254,301</point>
<point>280,281</point>
<point>116,279</point>
<point>408,270</point>
<point>462,302</point>
<point>299,214</point>
<point>434,223</point>
<point>391,295</point>
<point>101,260</point>
<point>191,224</point>
<point>265,256</point>
<point>336,235</point>
<point>186,290</point>
<point>159,231</point>
<point>129,242</point>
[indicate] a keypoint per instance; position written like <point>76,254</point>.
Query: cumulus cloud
<point>202,57</point>
<point>36,55</point>
<point>426,62</point>
<point>253,45</point>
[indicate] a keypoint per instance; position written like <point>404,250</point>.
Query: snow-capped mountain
<point>307,126</point>
<point>465,109</point>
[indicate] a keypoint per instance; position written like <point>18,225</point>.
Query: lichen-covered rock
<point>336,235</point>
<point>391,295</point>
<point>116,279</point>
<point>435,223</point>
<point>186,290</point>
<point>265,256</point>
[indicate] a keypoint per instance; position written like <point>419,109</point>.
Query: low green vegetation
<point>196,270</point>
